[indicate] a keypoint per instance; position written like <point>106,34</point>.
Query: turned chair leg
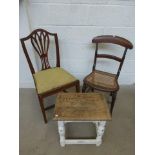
<point>42,108</point>
<point>78,86</point>
<point>113,94</point>
<point>84,87</point>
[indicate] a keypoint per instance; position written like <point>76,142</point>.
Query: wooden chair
<point>105,81</point>
<point>49,80</point>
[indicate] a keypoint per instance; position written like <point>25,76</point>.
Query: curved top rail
<point>36,31</point>
<point>113,39</point>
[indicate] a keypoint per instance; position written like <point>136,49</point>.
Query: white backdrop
<point>77,22</point>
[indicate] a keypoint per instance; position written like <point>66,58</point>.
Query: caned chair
<point>106,81</point>
<point>49,80</point>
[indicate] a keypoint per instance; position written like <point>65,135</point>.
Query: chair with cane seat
<point>105,81</point>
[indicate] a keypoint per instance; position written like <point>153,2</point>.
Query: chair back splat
<point>40,40</point>
<point>113,40</point>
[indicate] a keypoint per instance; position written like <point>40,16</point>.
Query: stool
<point>81,107</point>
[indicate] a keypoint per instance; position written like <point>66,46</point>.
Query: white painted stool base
<point>100,127</point>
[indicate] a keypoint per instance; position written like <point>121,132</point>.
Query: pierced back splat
<point>40,41</point>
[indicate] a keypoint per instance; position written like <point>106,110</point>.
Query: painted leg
<point>61,128</point>
<point>114,94</point>
<point>100,131</point>
<point>42,108</point>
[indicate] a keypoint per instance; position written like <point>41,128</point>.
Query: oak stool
<point>81,107</point>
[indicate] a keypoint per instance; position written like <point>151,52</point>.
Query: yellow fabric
<point>49,79</point>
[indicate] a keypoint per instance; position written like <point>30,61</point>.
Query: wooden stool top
<point>81,107</point>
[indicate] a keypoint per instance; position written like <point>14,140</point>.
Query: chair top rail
<point>113,39</point>
<point>35,31</point>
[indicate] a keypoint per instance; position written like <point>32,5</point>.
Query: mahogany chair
<point>105,81</point>
<point>49,80</point>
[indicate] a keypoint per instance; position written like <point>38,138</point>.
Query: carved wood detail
<point>40,41</point>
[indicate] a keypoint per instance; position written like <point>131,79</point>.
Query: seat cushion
<point>102,80</point>
<point>52,78</point>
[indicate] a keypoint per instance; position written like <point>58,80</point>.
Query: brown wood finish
<point>113,39</point>
<point>109,57</point>
<point>104,81</point>
<point>81,107</point>
<point>40,40</point>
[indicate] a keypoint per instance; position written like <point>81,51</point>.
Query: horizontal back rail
<point>109,57</point>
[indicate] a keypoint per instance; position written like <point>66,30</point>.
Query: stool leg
<point>100,126</point>
<point>61,128</point>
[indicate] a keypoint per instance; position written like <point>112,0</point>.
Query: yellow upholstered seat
<point>52,78</point>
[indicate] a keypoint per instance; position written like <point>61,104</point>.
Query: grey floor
<point>37,138</point>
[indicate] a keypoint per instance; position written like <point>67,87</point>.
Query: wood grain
<point>81,107</point>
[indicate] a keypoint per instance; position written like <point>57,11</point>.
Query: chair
<point>49,80</point>
<point>105,81</point>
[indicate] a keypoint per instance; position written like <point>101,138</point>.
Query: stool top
<point>81,107</point>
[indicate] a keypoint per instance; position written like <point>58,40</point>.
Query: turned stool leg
<point>61,128</point>
<point>100,126</point>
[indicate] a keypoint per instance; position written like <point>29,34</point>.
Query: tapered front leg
<point>42,108</point>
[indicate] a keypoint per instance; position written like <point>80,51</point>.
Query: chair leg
<point>84,87</point>
<point>114,94</point>
<point>92,89</point>
<point>78,86</point>
<point>42,108</point>
<point>111,93</point>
